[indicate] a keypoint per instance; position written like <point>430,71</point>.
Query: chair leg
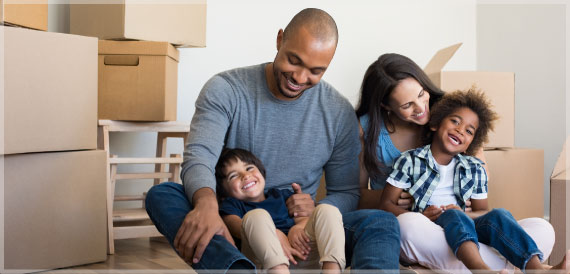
<point>174,169</point>
<point>110,198</point>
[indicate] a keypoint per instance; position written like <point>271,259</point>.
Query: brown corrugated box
<point>50,91</point>
<point>182,23</point>
<point>559,207</point>
<point>516,181</point>
<point>498,86</point>
<point>137,80</point>
<point>54,209</point>
<point>26,13</point>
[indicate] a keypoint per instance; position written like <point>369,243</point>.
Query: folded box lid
<point>151,48</point>
<point>441,58</point>
<point>562,165</point>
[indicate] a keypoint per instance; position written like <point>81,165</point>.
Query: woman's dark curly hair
<point>473,99</point>
<point>233,154</point>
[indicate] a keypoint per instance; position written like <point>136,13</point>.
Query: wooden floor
<point>139,254</point>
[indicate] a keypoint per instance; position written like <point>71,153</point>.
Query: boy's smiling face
<point>456,132</point>
<point>243,181</point>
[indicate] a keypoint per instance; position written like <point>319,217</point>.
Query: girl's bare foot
<point>564,265</point>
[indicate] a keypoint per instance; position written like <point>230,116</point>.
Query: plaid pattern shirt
<point>417,168</point>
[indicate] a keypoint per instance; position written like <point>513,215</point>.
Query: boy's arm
<point>479,207</point>
<point>298,239</point>
<point>233,222</point>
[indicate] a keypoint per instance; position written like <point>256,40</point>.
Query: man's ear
<point>279,38</point>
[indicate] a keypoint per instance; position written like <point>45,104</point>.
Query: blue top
<point>385,150</point>
<point>274,204</point>
<point>417,172</point>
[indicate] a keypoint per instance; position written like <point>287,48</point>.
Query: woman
<point>394,109</point>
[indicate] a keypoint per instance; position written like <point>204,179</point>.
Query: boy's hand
<point>299,240</point>
<point>405,200</point>
<point>450,207</point>
<point>287,249</point>
<point>432,212</point>
<point>300,204</point>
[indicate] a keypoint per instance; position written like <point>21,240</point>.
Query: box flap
<point>562,164</point>
<point>108,47</point>
<point>441,58</point>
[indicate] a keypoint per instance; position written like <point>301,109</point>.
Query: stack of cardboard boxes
<point>559,206</point>
<point>53,176</point>
<point>138,79</point>
<point>515,174</point>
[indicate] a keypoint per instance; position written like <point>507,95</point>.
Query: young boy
<point>441,178</point>
<point>269,236</point>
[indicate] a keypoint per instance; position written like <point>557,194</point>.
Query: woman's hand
<point>299,240</point>
<point>287,249</point>
<point>405,200</point>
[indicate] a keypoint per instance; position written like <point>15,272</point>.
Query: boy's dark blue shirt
<point>274,204</point>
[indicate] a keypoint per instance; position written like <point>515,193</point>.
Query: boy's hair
<point>233,154</point>
<point>473,99</point>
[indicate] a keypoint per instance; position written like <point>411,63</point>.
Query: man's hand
<point>432,212</point>
<point>299,240</point>
<point>300,204</point>
<point>287,249</point>
<point>468,205</point>
<point>199,226</point>
<point>450,207</point>
<point>405,200</point>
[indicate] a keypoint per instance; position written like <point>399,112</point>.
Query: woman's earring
<point>388,112</point>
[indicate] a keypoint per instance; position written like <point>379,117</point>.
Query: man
<point>298,126</point>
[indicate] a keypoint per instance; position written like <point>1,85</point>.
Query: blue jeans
<point>497,229</point>
<point>372,236</point>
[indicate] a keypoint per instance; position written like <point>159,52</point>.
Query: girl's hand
<point>287,249</point>
<point>405,200</point>
<point>432,212</point>
<point>299,239</point>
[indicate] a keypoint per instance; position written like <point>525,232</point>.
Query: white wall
<point>244,32</point>
<point>530,39</point>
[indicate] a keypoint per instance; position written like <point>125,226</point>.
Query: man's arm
<point>214,108</point>
<point>199,226</point>
<point>342,171</point>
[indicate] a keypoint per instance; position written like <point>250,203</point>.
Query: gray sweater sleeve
<point>214,110</point>
<point>342,170</point>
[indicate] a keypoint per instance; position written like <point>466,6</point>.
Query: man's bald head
<point>319,24</point>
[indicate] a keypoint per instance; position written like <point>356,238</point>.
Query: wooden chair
<point>136,219</point>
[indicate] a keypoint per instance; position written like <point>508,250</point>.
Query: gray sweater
<point>295,140</point>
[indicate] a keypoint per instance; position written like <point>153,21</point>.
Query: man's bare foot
<point>564,264</point>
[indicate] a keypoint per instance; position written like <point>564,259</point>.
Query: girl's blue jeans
<point>498,229</point>
<point>372,236</point>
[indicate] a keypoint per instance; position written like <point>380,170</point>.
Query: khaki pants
<point>325,229</point>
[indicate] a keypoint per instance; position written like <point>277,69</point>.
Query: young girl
<point>269,236</point>
<point>439,175</point>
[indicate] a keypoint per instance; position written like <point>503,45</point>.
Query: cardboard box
<point>54,209</point>
<point>559,207</point>
<point>137,80</point>
<point>498,86</point>
<point>50,91</point>
<point>26,13</point>
<point>182,23</point>
<point>516,181</point>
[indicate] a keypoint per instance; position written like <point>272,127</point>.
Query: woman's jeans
<point>497,229</point>
<point>372,236</point>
